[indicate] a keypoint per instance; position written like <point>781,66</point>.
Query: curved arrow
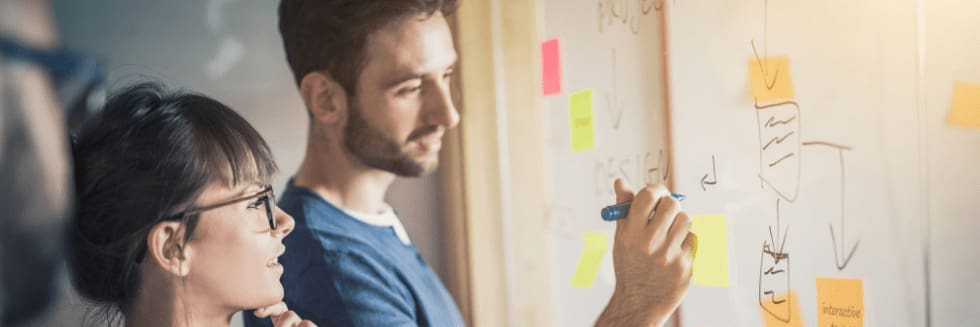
<point>714,176</point>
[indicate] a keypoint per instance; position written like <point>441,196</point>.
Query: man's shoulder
<point>311,211</point>
<point>322,230</point>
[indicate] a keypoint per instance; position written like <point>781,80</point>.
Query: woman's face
<point>233,252</point>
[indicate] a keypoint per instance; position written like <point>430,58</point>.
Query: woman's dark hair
<point>149,156</point>
<point>330,35</point>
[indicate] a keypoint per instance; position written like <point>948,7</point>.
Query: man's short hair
<point>330,35</point>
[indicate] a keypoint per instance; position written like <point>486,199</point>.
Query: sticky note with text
<point>840,302</point>
<point>580,120</point>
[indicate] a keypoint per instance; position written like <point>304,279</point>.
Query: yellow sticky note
<point>794,319</point>
<point>840,302</point>
<point>770,80</point>
<point>580,120</point>
<point>711,261</point>
<point>588,263</point>
<point>964,110</point>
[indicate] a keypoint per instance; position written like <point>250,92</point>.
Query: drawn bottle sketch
<point>779,153</point>
<point>779,171</point>
<point>774,273</point>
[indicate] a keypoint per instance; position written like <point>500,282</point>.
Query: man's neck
<point>332,172</point>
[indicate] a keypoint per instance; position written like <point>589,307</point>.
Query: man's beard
<point>375,150</point>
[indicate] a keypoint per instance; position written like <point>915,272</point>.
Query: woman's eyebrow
<point>251,189</point>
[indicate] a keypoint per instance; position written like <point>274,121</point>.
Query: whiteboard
<point>951,48</point>
<point>614,48</point>
<point>871,175</point>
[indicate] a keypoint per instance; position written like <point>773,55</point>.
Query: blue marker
<point>617,211</point>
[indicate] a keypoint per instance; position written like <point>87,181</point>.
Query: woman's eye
<point>257,203</point>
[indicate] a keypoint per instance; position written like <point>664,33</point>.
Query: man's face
<point>403,104</point>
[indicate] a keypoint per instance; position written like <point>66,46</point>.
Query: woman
<point>176,223</point>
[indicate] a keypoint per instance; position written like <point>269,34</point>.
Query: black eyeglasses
<point>267,196</point>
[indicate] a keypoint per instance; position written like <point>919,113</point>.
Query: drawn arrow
<point>714,176</point>
<point>764,63</point>
<point>779,252</point>
<point>840,258</point>
<point>612,101</point>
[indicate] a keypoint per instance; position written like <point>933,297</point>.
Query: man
<point>34,166</point>
<point>374,76</point>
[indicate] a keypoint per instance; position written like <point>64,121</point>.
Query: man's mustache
<point>424,131</point>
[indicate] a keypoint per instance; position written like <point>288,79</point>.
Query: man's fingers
<point>667,209</point>
<point>643,205</point>
<point>679,231</point>
<point>689,247</point>
<point>272,310</point>
<point>623,191</point>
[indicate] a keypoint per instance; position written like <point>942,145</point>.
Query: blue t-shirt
<point>340,271</point>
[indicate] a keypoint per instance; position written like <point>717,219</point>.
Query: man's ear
<point>166,248</point>
<point>324,97</point>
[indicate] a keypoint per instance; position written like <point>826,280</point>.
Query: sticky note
<point>711,261</point>
<point>964,110</point>
<point>580,120</point>
<point>770,80</point>
<point>550,67</point>
<point>794,319</point>
<point>840,302</point>
<point>588,264</point>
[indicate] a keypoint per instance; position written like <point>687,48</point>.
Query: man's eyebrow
<point>402,78</point>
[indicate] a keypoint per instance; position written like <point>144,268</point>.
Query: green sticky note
<point>580,120</point>
<point>711,262</point>
<point>588,263</point>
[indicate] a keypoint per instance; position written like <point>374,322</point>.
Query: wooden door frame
<point>494,169</point>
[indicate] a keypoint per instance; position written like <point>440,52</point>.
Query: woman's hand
<point>282,316</point>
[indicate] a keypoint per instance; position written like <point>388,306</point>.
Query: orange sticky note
<point>580,120</point>
<point>840,302</point>
<point>711,261</point>
<point>770,80</point>
<point>588,264</point>
<point>550,67</point>
<point>795,318</point>
<point>964,110</point>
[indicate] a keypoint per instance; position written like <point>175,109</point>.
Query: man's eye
<point>410,90</point>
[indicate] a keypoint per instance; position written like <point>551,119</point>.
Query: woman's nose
<point>284,222</point>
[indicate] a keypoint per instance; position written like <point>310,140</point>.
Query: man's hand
<point>652,255</point>
<point>283,317</point>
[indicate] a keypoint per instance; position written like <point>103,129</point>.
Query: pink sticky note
<point>550,67</point>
